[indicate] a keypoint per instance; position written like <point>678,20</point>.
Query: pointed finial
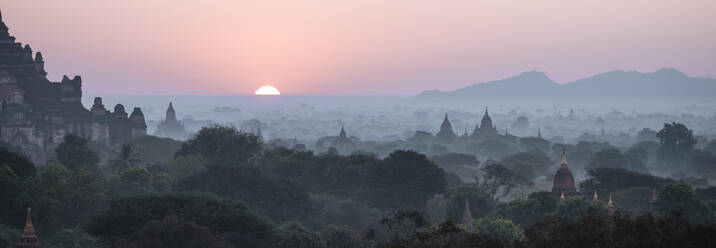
<point>562,196</point>
<point>564,156</point>
<point>596,197</point>
<point>539,132</point>
<point>610,203</point>
<point>28,219</point>
<point>343,132</point>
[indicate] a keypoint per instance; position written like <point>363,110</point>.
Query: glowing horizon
<point>355,47</point>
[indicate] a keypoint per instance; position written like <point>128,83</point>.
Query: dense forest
<point>226,188</point>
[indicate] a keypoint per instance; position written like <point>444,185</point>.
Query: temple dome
<point>563,179</point>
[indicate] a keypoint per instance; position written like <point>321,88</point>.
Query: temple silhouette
<point>36,113</point>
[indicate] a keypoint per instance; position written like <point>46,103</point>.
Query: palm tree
<point>125,158</point>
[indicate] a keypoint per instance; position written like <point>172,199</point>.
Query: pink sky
<point>355,47</point>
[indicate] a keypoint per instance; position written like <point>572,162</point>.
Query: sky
<point>355,47</point>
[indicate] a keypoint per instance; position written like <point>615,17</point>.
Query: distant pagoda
<point>446,133</point>
<point>486,130</point>
<point>171,127</point>
<point>28,238</point>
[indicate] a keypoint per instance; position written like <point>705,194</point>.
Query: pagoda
<point>171,127</point>
<point>28,238</point>
<point>563,185</point>
<point>445,134</point>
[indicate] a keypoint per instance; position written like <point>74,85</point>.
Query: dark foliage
<point>526,213</point>
<point>596,230</point>
<point>403,180</point>
<point>153,149</point>
<point>279,199</point>
<point>222,217</point>
<point>20,164</point>
<point>221,146</point>
<point>74,153</point>
<point>172,232</point>
<point>676,142</point>
<point>607,180</point>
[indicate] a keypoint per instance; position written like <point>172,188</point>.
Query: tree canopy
<point>221,146</point>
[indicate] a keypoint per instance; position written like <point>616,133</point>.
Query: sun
<point>267,90</point>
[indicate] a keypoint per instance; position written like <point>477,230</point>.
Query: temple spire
<point>539,132</point>
<point>596,197</point>
<point>343,132</point>
<point>610,205</point>
<point>28,238</point>
<point>467,216</point>
<point>564,156</point>
<point>171,115</point>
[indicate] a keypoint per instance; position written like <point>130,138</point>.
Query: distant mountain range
<point>663,83</point>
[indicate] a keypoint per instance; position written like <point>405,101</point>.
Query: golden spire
<point>596,197</point>
<point>564,156</point>
<point>610,205</point>
<point>29,229</point>
<point>562,197</point>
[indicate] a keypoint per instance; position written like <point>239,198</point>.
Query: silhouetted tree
<point>611,158</point>
<point>702,162</point>
<point>73,153</point>
<point>498,181</point>
<point>481,203</point>
<point>340,236</point>
<point>279,199</point>
<point>608,180</point>
<point>527,212</point>
<point>295,235</point>
<point>680,197</point>
<point>172,232</point>
<point>538,161</point>
<point>676,142</point>
<point>229,219</point>
<point>221,146</point>
<point>498,228</point>
<point>124,158</point>
<point>403,180</point>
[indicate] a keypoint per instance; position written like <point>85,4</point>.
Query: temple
<point>28,238</point>
<point>564,181</point>
<point>170,127</point>
<point>445,134</point>
<point>36,114</point>
<point>486,129</point>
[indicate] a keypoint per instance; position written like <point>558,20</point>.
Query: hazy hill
<point>618,84</point>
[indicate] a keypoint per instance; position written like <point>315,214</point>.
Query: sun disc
<point>267,90</point>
